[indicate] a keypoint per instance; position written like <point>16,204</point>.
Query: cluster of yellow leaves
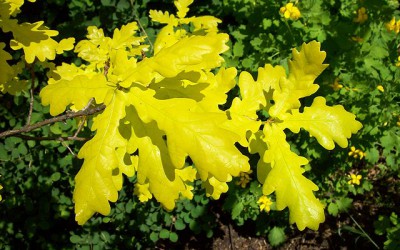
<point>393,25</point>
<point>163,109</point>
<point>160,110</point>
<point>35,40</point>
<point>278,95</point>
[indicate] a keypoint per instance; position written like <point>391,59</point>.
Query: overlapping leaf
<point>77,91</point>
<point>200,135</point>
<point>100,176</point>
<point>277,97</point>
<point>281,173</point>
<point>326,124</point>
<point>303,70</point>
<point>155,172</point>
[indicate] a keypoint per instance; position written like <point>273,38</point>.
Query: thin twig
<point>80,126</point>
<point>82,122</point>
<point>28,128</point>
<point>141,26</point>
<point>31,69</point>
<point>70,150</point>
<point>52,138</point>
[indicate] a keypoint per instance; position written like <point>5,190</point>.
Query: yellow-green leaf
<point>189,54</point>
<point>182,6</point>
<point>99,178</point>
<point>6,71</point>
<point>200,135</point>
<point>327,124</point>
<point>77,91</point>
<point>284,176</point>
<point>155,172</point>
<point>303,70</point>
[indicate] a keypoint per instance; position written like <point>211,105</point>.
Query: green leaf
<point>173,237</point>
<point>344,204</point>
<point>75,239</point>
<point>154,236</point>
<point>164,234</point>
<point>276,236</point>
<point>333,209</point>
<point>179,224</point>
<point>238,49</point>
<point>55,176</point>
<point>237,209</point>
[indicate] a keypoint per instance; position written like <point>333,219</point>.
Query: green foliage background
<point>37,210</point>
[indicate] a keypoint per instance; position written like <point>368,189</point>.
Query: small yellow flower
<point>336,86</point>
<point>356,153</point>
<point>380,88</point>
<point>1,187</point>
<point>361,15</point>
<point>265,203</point>
<point>393,25</point>
<point>244,179</point>
<point>355,179</point>
<point>290,11</point>
<point>398,122</point>
<point>398,62</point>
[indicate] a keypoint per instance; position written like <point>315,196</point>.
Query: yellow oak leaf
<point>43,50</point>
<point>77,91</point>
<point>215,188</point>
<point>285,178</point>
<point>163,17</point>
<point>15,5</point>
<point>304,68</point>
<point>155,170</point>
<point>200,135</point>
<point>189,54</point>
<point>100,177</point>
<point>209,24</point>
<point>13,84</point>
<point>6,71</point>
<point>327,124</point>
<point>183,7</point>
<point>126,36</point>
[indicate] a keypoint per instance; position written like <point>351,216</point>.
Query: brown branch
<point>52,138</point>
<point>28,128</point>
